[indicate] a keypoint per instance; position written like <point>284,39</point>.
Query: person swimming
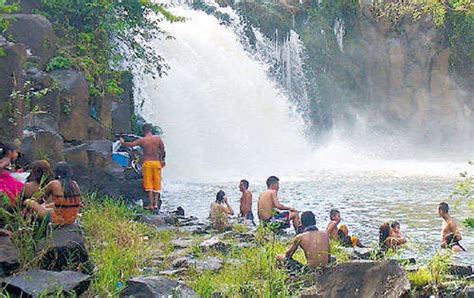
<point>220,210</point>
<point>246,201</point>
<point>390,235</point>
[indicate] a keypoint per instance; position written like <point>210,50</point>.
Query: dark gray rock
<point>35,283</point>
<point>214,244</point>
<point>171,272</point>
<point>36,33</point>
<point>64,248</point>
<point>123,107</point>
<point>155,286</point>
<point>8,257</point>
<point>161,219</point>
<point>468,291</point>
<point>360,279</point>
<point>41,121</point>
<point>460,270</point>
<point>181,243</point>
<point>42,144</point>
<point>181,262</point>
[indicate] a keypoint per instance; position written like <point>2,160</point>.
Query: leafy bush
<point>58,62</point>
<point>105,34</point>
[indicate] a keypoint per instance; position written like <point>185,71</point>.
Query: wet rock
<point>8,257</point>
<point>123,107</point>
<point>360,279</point>
<point>155,286</point>
<point>209,263</point>
<point>99,154</point>
<point>160,219</point>
<point>460,270</point>
<point>64,248</point>
<point>36,33</point>
<point>359,253</point>
<point>214,244</point>
<point>40,282</point>
<point>195,229</point>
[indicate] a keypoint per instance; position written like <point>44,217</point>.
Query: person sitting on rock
<point>246,201</point>
<point>41,174</point>
<point>9,186</point>
<point>450,234</point>
<point>65,195</point>
<point>220,210</point>
<point>389,237</point>
<point>269,208</point>
<point>341,233</point>
<point>395,234</point>
<point>315,245</point>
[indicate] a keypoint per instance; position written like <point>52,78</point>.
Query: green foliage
<point>3,53</point>
<point>469,222</point>
<point>116,243</point>
<point>419,278</point>
<point>104,34</point>
<point>338,251</point>
<point>137,124</point>
<point>58,62</point>
<point>465,192</point>
<point>438,267</point>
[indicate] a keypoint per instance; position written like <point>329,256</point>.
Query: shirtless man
<point>268,206</point>
<point>154,161</point>
<point>450,235</point>
<point>245,201</point>
<point>314,243</point>
<point>335,219</point>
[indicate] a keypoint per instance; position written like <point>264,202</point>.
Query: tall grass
<point>117,244</point>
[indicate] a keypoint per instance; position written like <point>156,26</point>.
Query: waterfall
<point>340,31</point>
<point>222,117</point>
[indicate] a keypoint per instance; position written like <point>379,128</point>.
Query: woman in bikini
<point>64,193</point>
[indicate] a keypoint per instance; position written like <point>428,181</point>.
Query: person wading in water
<point>154,161</point>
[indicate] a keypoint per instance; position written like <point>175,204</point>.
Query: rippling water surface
<point>364,201</point>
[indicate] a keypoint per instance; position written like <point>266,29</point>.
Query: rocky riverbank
<point>132,253</point>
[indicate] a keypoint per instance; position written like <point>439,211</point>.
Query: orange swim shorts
<point>151,171</point>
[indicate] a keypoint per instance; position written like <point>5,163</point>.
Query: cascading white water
<point>221,115</point>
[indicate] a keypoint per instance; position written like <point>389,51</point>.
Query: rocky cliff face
<point>51,112</point>
<point>398,77</point>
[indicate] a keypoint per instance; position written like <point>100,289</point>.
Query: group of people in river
<point>51,197</point>
<point>314,241</point>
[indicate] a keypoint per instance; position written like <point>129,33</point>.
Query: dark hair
<point>5,148</point>
<point>395,224</point>
<point>333,213</point>
<point>63,173</point>
<point>220,196</point>
<point>384,232</point>
<point>147,128</point>
<point>40,172</point>
<point>444,207</point>
<point>308,219</point>
<point>272,180</point>
<point>245,183</point>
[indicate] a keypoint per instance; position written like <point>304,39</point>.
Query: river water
<point>224,120</point>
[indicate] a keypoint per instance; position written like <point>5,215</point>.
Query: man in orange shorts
<point>154,160</point>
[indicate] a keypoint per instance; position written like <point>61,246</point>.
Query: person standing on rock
<point>269,208</point>
<point>154,161</point>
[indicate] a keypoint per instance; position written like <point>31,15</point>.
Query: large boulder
<point>123,106</point>
<point>11,79</point>
<point>8,257</point>
<point>41,283</point>
<point>42,144</point>
<point>155,286</point>
<point>74,116</point>
<point>64,249</point>
<point>360,279</point>
<point>36,33</point>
